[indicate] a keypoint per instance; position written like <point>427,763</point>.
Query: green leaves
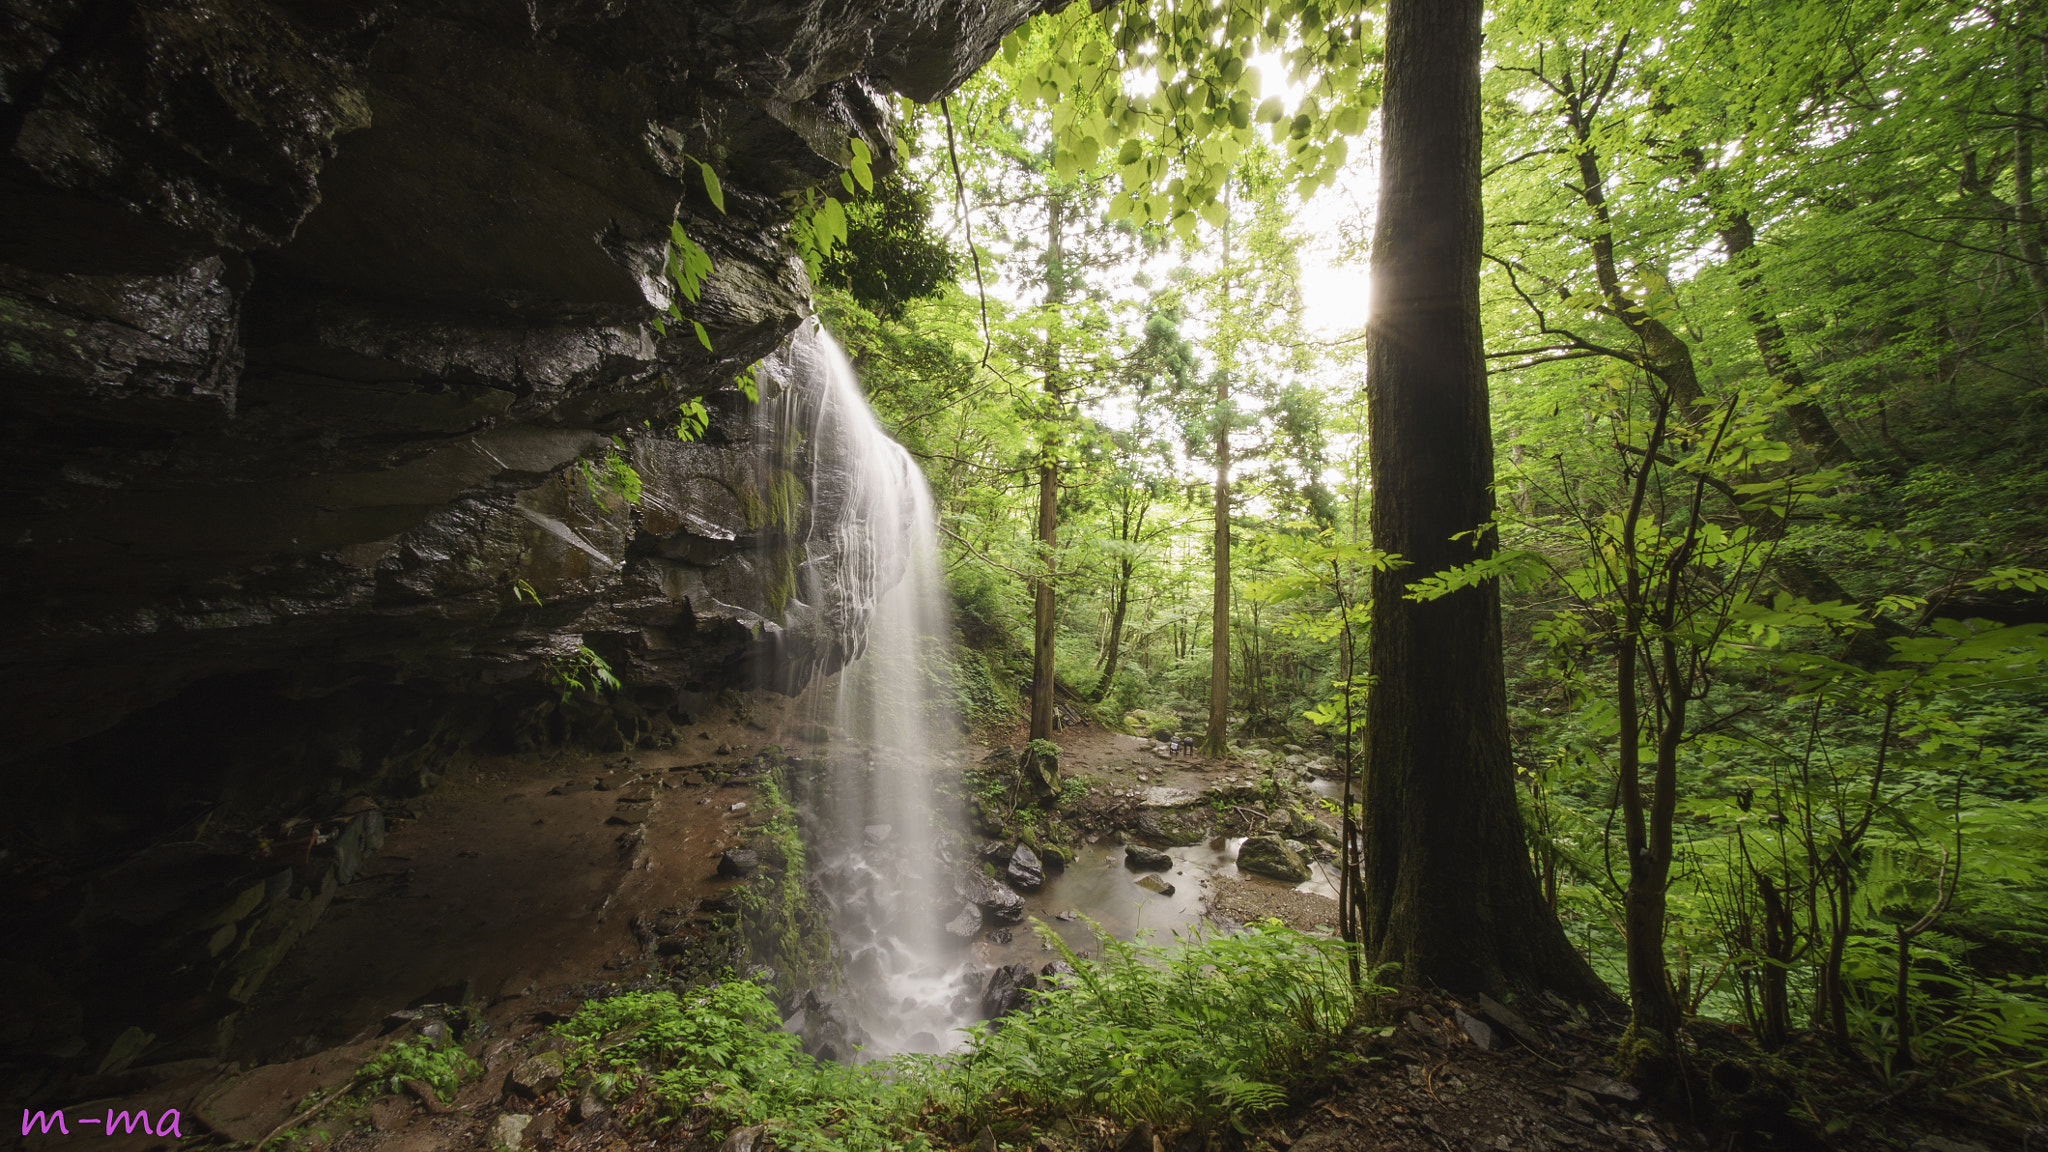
<point>711,186</point>
<point>863,165</point>
<point>693,419</point>
<point>1201,114</point>
<point>1209,1029</point>
<point>581,671</point>
<point>689,266</point>
<point>2011,578</point>
<point>612,474</point>
<point>1515,566</point>
<point>1204,1030</point>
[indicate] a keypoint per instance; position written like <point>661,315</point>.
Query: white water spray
<point>871,573</point>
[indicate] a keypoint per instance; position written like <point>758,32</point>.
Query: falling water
<point>871,574</point>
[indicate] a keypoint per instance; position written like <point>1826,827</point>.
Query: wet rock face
<point>318,319</point>
<point>310,312</point>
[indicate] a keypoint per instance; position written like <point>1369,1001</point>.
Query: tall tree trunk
<point>1445,889</point>
<point>1043,672</point>
<point>1216,741</point>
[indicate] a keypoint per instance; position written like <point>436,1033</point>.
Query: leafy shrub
<point>443,1068</point>
<point>723,1050</point>
<point>1208,1030</point>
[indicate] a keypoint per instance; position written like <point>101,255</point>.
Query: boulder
<point>752,1138</point>
<point>510,1130</point>
<point>1008,990</point>
<point>1475,1029</point>
<point>1606,1086</point>
<point>998,904</point>
<point>967,925</point>
<point>1024,873</point>
<point>1507,1018</point>
<point>536,1076</point>
<point>1156,725</point>
<point>1270,856</point>
<point>738,862</point>
<point>1179,829</point>
<point>1144,858</point>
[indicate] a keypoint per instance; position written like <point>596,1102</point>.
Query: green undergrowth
<point>1205,1032</point>
<point>442,1067</point>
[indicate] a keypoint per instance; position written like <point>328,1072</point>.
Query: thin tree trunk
<point>1042,621</point>
<point>1668,358</point>
<point>1043,671</point>
<point>1216,741</point>
<point>1809,420</point>
<point>1664,354</point>
<point>2029,215</point>
<point>1774,1009</point>
<point>1446,889</point>
<point>1646,828</point>
<point>1116,632</point>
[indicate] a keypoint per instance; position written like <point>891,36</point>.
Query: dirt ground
<point>517,883</point>
<point>533,883</point>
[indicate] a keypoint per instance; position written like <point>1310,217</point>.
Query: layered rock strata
<point>318,322</point>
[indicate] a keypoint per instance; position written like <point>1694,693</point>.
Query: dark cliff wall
<point>309,313</point>
<point>306,309</point>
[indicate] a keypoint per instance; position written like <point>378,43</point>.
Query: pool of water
<point>1098,886</point>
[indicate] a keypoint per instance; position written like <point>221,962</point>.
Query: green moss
<point>783,927</point>
<point>776,513</point>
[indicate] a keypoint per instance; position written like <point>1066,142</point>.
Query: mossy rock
<point>1270,856</point>
<point>1177,828</point>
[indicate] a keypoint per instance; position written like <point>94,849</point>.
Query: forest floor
<point>518,892</point>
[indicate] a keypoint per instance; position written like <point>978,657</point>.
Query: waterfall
<point>870,573</point>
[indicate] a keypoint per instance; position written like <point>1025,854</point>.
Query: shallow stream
<point>1098,886</point>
